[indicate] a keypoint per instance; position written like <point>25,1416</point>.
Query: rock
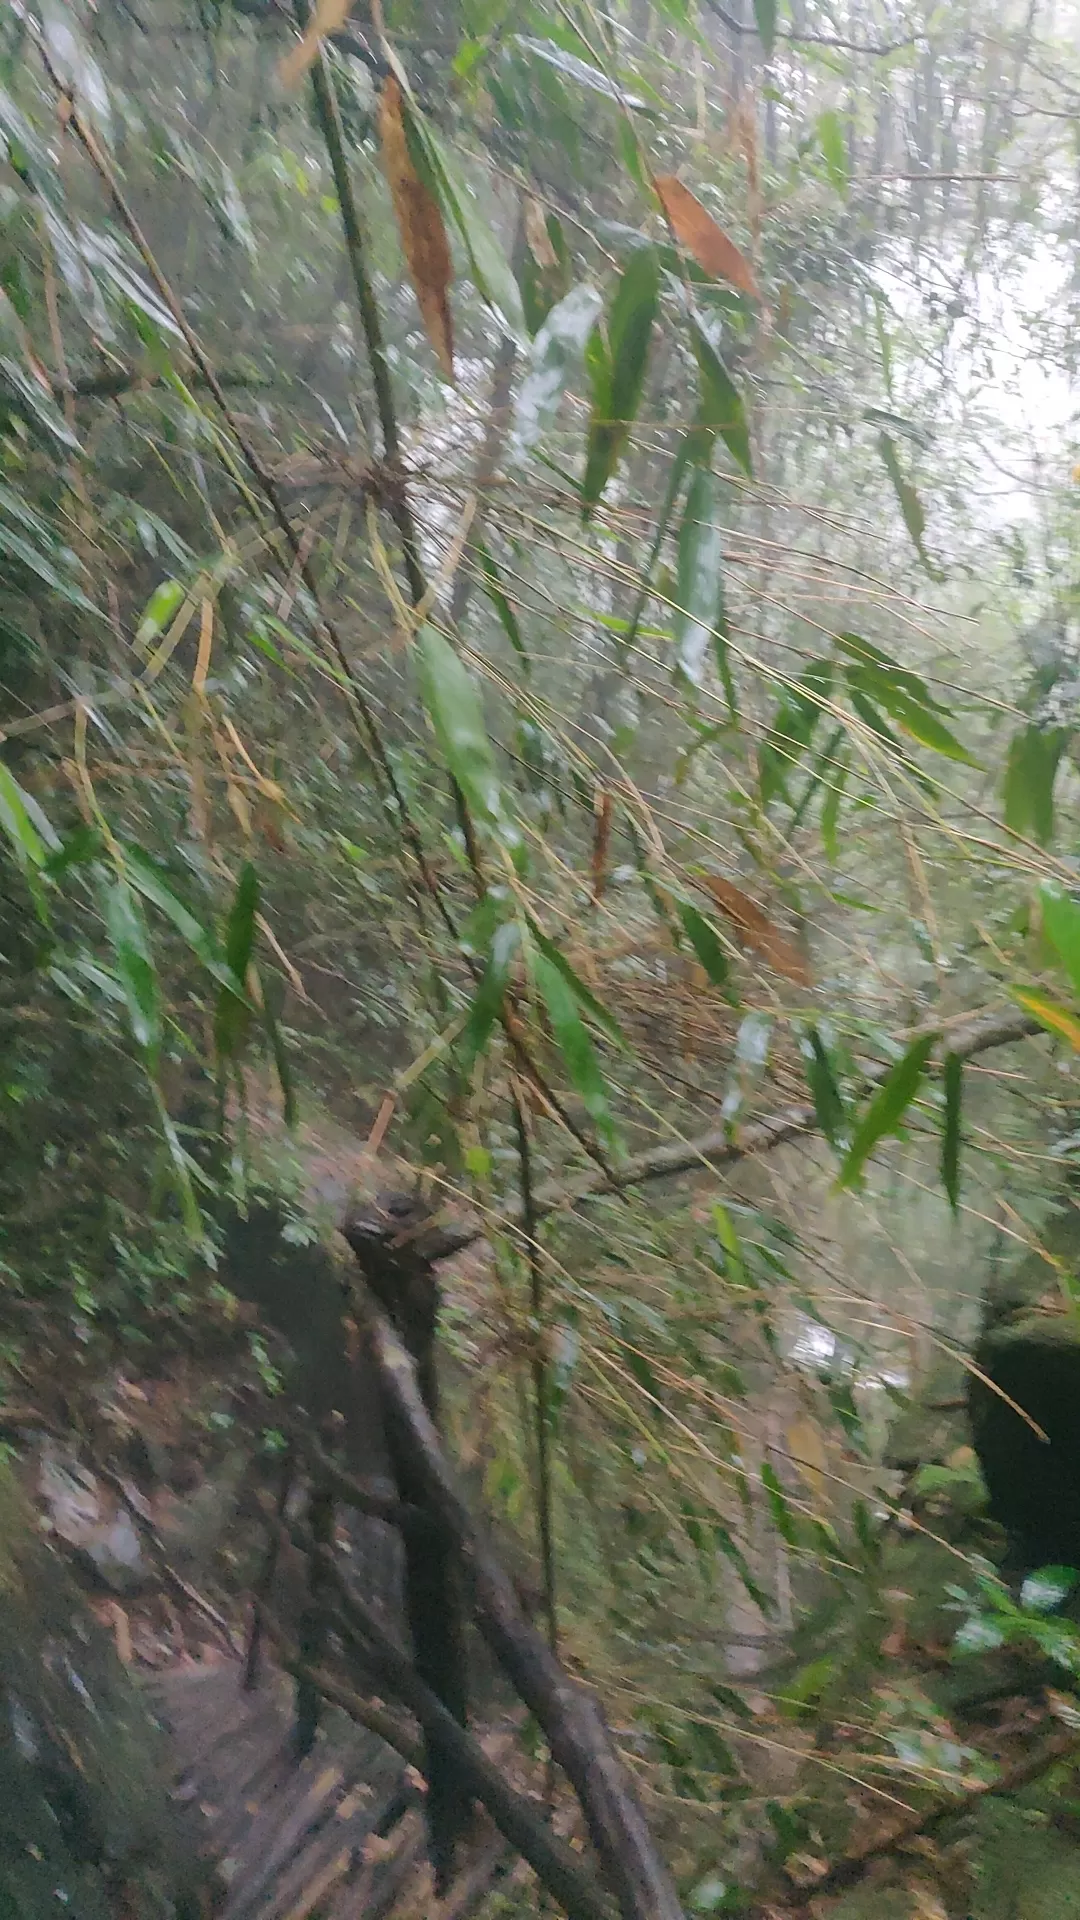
<point>86,1826</point>
<point>1033,1358</point>
<point>88,1518</point>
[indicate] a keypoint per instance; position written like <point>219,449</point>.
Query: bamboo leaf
<point>1055,1017</point>
<point>1061,925</point>
<point>579,70</point>
<point>593,1007</point>
<point>457,716</point>
<point>755,926</point>
<point>29,831</point>
<point>492,273</point>
<point>885,1113</point>
<point>910,505</point>
<point>830,131</point>
<point>556,352</point>
<point>150,880</point>
<point>706,945</point>
<point>420,224</point>
<point>508,619</point>
<point>134,965</point>
<point>160,611</point>
<point>490,994</point>
<point>721,407</point>
<point>697,231</point>
<point>1030,773</point>
<point>829,1105</point>
<point>700,620</point>
<point>953,1075</point>
<point>618,367</point>
<point>765,22</point>
<point>572,1039</point>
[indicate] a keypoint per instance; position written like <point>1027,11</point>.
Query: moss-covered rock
<point>85,1822</point>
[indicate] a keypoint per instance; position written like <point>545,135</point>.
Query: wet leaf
<point>887,1108</point>
<point>572,1039</point>
<point>707,947</point>
<point>490,994</point>
<point>618,367</point>
<point>492,273</point>
<point>134,965</point>
<point>699,625</point>
<point>697,231</point>
<point>824,1087</point>
<point>496,593</point>
<point>953,1076</point>
<point>327,16</point>
<point>755,926</point>
<point>454,707</point>
<point>1030,773</point>
<point>592,1006</point>
<point>1061,925</point>
<point>420,224</point>
<point>160,611</point>
<point>721,408</point>
<point>1047,1588</point>
<point>910,505</point>
<point>29,831</point>
<point>556,353</point>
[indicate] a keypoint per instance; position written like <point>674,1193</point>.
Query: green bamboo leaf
<point>617,368</point>
<point>953,1075</point>
<point>150,880</point>
<point>912,716</point>
<point>1061,925</point>
<point>490,994</point>
<point>910,505</point>
<point>765,22</point>
<point>15,546</point>
<point>830,131</point>
<point>593,1007</point>
<point>572,1039</point>
<point>721,408</point>
<point>887,1108</point>
<point>160,611</point>
<point>556,353</point>
<point>700,620</point>
<point>488,263</point>
<point>135,966</point>
<point>707,947</point>
<point>1030,773</point>
<point>829,1105</point>
<point>783,1519</point>
<point>28,829</point>
<point>493,587</point>
<point>454,708</point>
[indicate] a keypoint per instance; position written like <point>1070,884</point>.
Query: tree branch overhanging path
<point>719,1148</point>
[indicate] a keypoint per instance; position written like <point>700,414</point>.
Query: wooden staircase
<point>338,1835</point>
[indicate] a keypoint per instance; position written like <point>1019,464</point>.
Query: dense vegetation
<point>539,633</point>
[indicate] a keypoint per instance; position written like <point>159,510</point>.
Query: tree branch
<point>570,1717</point>
<point>816,39</point>
<point>720,1148</point>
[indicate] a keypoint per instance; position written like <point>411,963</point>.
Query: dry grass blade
<point>328,16</point>
<point>756,927</point>
<point>697,231</point>
<point>420,223</point>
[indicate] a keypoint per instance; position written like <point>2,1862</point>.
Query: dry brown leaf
<point>809,1457</point>
<point>697,231</point>
<point>327,17</point>
<point>756,927</point>
<point>420,224</point>
<point>537,235</point>
<point>601,842</point>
